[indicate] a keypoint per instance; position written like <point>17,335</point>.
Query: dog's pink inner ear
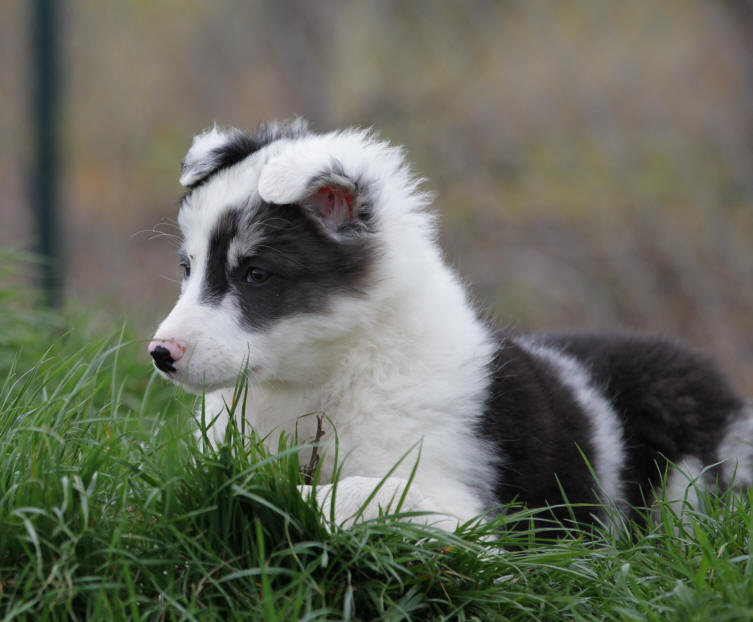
<point>333,204</point>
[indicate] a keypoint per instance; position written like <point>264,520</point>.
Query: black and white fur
<point>312,258</point>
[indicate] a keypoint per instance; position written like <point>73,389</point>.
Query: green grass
<point>109,510</point>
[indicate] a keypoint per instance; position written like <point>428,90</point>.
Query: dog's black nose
<point>162,358</point>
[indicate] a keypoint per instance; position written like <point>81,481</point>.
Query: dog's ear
<point>211,150</point>
<point>330,196</point>
<point>333,200</point>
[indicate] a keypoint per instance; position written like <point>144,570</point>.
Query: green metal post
<point>45,173</point>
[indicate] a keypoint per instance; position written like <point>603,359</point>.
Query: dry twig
<point>307,471</point>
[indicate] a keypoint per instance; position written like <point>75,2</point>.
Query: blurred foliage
<point>593,161</point>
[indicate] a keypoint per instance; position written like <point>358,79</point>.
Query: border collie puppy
<point>310,260</point>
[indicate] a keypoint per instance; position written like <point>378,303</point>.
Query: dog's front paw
<point>362,498</point>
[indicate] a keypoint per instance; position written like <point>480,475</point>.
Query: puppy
<point>311,265</point>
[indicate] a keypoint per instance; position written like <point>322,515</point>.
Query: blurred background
<point>593,161</point>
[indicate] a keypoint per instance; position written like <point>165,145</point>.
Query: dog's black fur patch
<point>539,431</point>
<point>216,282</point>
<point>672,404</point>
<point>308,266</point>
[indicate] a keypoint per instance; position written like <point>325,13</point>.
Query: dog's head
<point>291,240</point>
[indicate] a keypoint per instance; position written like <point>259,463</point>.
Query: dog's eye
<point>186,269</point>
<point>257,276</point>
